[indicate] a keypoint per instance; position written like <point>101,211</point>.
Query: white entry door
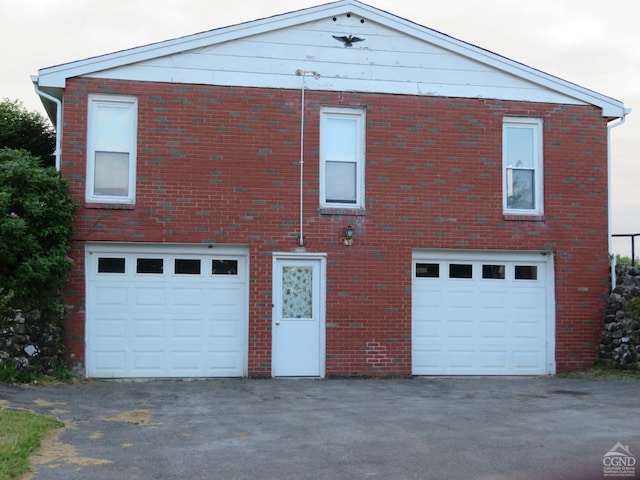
<point>298,316</point>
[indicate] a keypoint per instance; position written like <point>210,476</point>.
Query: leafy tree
<point>35,230</point>
<point>21,129</point>
<point>626,260</point>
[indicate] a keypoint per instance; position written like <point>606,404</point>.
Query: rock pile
<point>30,340</point>
<point>620,339</point>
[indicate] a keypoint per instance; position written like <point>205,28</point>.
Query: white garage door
<point>165,311</point>
<point>482,313</point>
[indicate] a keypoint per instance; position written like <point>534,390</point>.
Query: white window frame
<point>357,114</point>
<point>120,101</point>
<point>536,127</point>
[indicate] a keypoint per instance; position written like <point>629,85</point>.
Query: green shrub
<point>22,129</point>
<point>35,230</point>
<point>626,260</point>
<point>633,308</point>
<point>36,214</point>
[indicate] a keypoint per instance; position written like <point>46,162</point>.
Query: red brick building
<point>376,199</point>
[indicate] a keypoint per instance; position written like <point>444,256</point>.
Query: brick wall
<point>220,164</point>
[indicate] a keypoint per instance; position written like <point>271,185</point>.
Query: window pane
<point>111,265</point>
<point>187,266</point>
<point>526,272</point>
<point>224,267</point>
<point>341,138</point>
<point>520,189</point>
<point>520,147</point>
<point>493,271</point>
<point>112,127</point>
<point>149,265</point>
<point>111,174</point>
<point>341,182</point>
<point>297,292</point>
<point>427,270</point>
<point>460,271</point>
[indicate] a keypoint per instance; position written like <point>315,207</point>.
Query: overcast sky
<point>593,43</point>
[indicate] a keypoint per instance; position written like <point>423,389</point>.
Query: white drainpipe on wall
<point>316,75</point>
<point>610,127</point>
<point>58,125</point>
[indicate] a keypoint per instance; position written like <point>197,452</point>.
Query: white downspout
<point>58,125</point>
<point>316,75</point>
<point>614,261</point>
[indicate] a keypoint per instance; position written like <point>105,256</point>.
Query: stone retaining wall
<point>620,339</point>
<point>30,340</point>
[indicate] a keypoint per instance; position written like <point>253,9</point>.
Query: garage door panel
<point>111,328</point>
<point>186,328</point>
<point>222,295</point>
<point>148,328</point>
<point>460,359</point>
<point>149,296</point>
<point>191,296</point>
<point>492,323</point>
<point>181,320</point>
<point>526,330</point>
<point>148,362</point>
<point>527,360</point>
<point>425,330</point>
<point>225,330</point>
<point>462,299</point>
<point>493,359</point>
<point>111,295</point>
<point>110,360</point>
<point>492,299</point>
<point>459,328</point>
<point>186,360</point>
<point>494,330</point>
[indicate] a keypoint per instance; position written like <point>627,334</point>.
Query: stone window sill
<point>347,212</point>
<point>111,206</point>
<point>512,217</point>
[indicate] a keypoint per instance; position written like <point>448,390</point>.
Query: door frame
<point>322,301</point>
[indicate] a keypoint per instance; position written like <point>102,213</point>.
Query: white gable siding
<point>387,61</point>
<point>398,56</point>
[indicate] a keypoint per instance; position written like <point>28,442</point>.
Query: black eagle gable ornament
<point>348,40</point>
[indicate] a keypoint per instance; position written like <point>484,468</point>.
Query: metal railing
<point>633,244</point>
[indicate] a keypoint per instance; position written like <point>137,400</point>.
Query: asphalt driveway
<point>422,428</point>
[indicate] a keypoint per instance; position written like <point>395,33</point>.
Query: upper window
<point>342,157</point>
<point>111,149</point>
<point>522,161</point>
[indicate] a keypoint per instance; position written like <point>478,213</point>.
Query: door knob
<point>277,322</point>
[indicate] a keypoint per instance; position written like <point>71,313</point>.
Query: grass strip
<point>21,434</point>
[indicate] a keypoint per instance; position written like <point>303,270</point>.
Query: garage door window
<point>111,265</point>
<point>150,265</point>
<point>224,267</point>
<point>427,270</point>
<point>526,272</point>
<point>460,270</point>
<point>494,272</point>
<point>186,266</point>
